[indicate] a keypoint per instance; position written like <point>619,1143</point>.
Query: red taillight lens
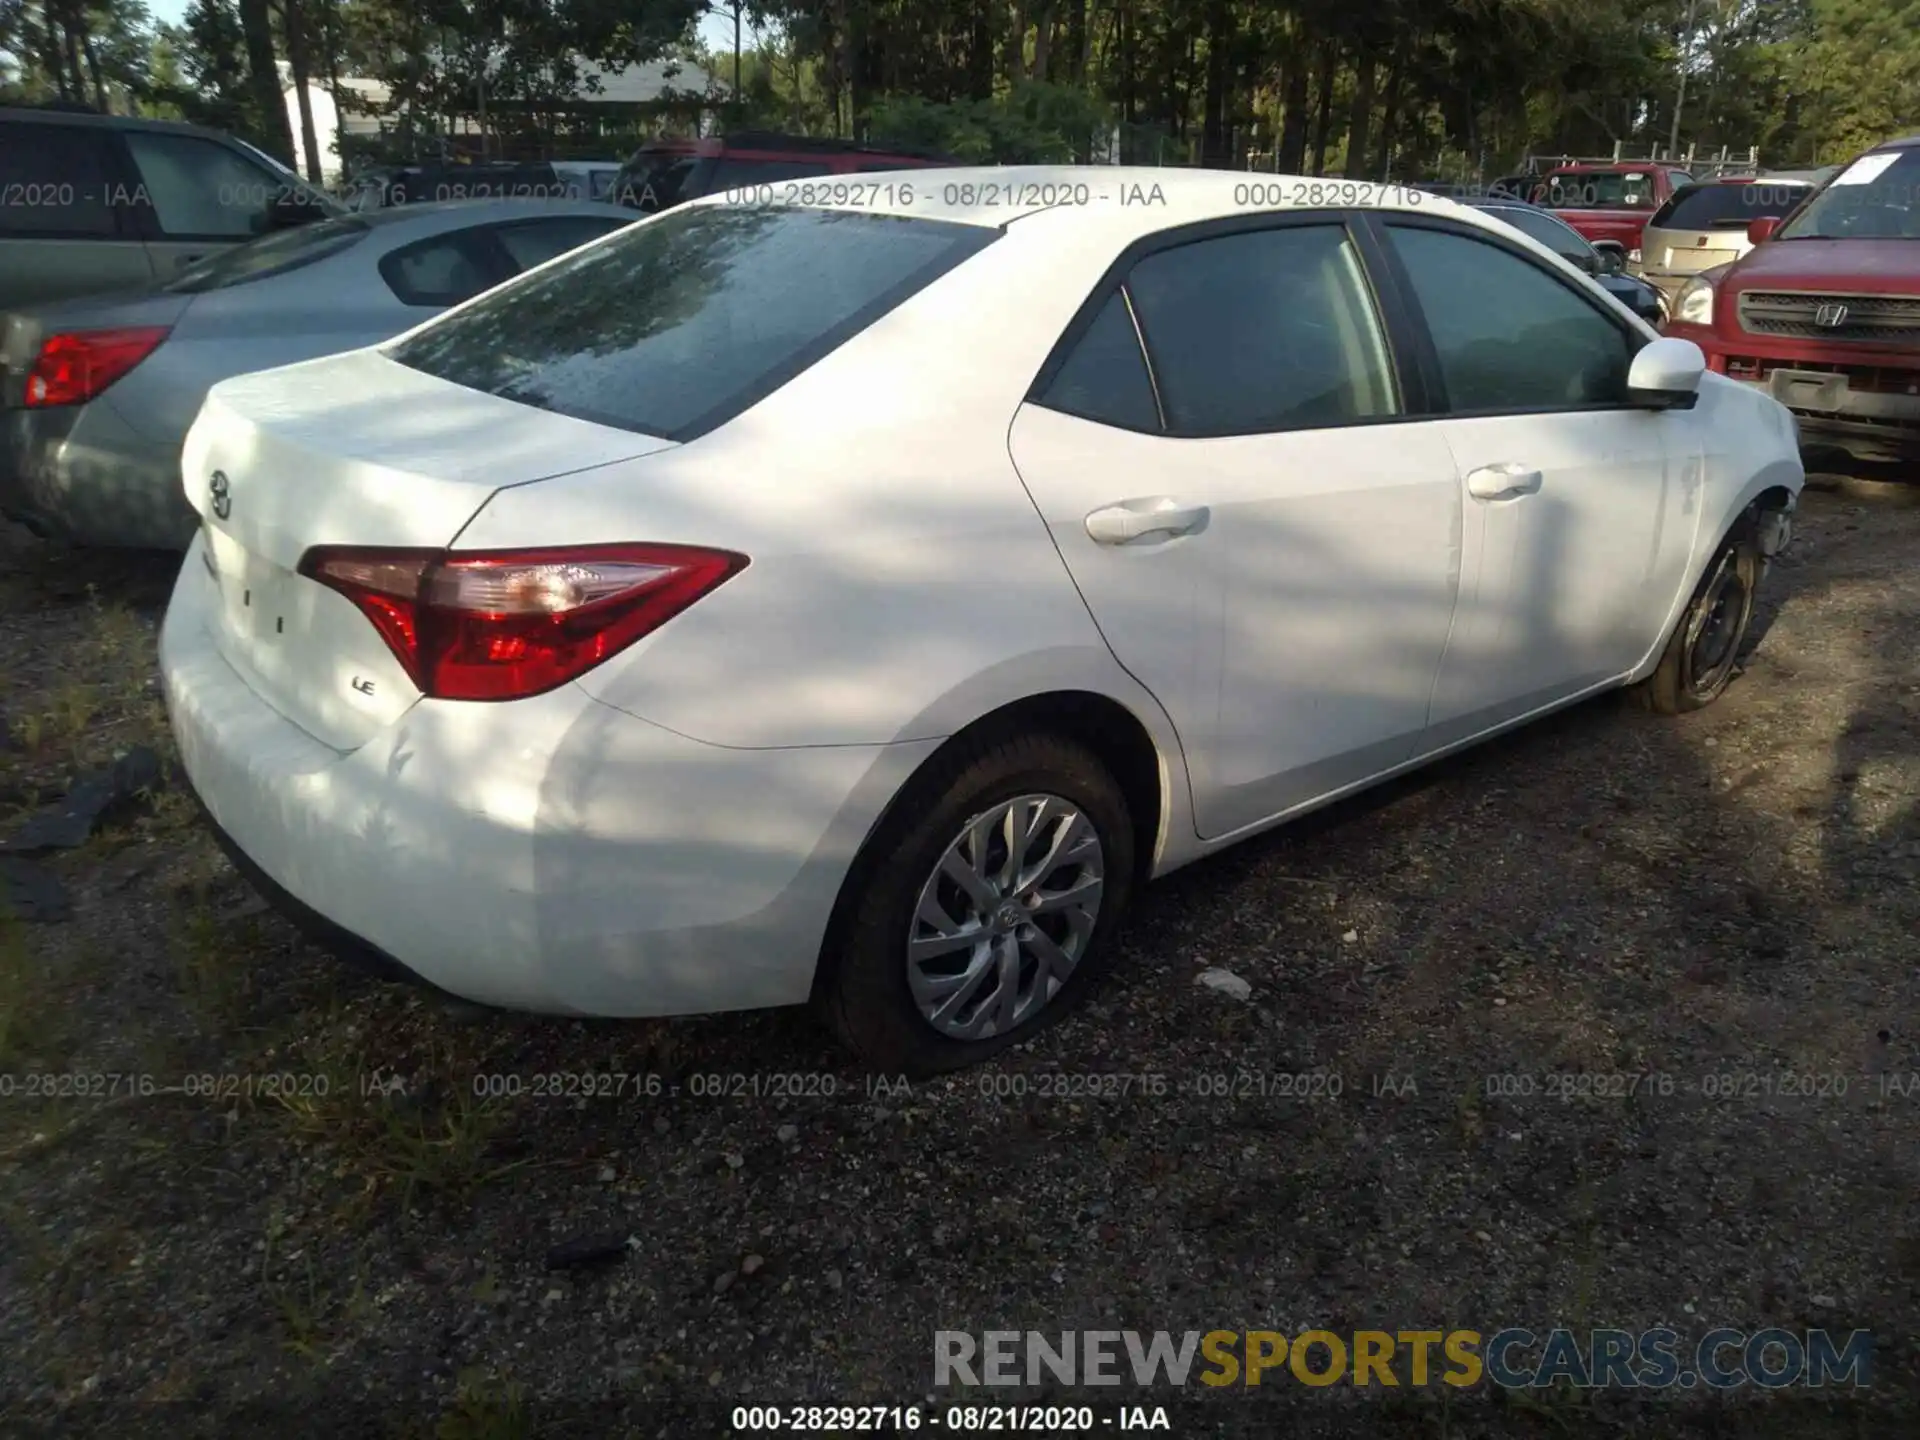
<point>512,623</point>
<point>74,367</point>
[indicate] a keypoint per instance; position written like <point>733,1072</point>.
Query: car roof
<point>1911,142</point>
<point>46,115</point>
<point>1114,200</point>
<point>432,215</point>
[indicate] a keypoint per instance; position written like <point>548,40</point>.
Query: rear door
<point>63,232</point>
<point>1264,529</point>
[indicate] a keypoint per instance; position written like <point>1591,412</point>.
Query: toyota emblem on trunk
<point>222,500</point>
<point>1830,317</point>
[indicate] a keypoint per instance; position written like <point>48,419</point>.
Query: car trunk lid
<point>355,450</point>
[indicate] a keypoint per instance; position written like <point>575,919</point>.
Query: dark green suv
<point>91,202</point>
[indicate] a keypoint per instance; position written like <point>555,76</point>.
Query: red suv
<point>1824,312</point>
<point>666,172</point>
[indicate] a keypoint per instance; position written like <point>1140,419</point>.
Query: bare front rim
<point>1005,916</point>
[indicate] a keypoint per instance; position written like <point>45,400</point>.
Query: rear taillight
<point>507,624</point>
<point>75,366</point>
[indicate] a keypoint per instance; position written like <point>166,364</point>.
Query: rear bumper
<point>1828,391</point>
<point>81,473</point>
<point>552,854</point>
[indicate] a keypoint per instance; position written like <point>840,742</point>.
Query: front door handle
<point>1503,481</point>
<point>1155,515</point>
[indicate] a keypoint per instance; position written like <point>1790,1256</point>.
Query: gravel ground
<point>1732,895</point>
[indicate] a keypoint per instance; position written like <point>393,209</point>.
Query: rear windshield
<point>270,255</point>
<point>1727,207</point>
<point>1877,197</point>
<point>1599,190</point>
<point>676,325</point>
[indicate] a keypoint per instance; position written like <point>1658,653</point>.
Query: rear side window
<point>674,326</point>
<point>54,181</point>
<point>1726,207</point>
<point>1261,331</point>
<point>1105,377</point>
<point>535,242</point>
<point>440,271</point>
<point>269,255</point>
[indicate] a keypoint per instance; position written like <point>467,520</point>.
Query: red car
<point>1824,312</point>
<point>1612,201</point>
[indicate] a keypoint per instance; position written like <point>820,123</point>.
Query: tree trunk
<point>1079,41</point>
<point>294,23</point>
<point>1323,104</point>
<point>1360,113</point>
<point>1389,115</point>
<point>92,55</point>
<point>980,52</point>
<point>1216,145</point>
<point>1126,62</point>
<point>263,83</point>
<point>1043,42</point>
<point>1291,158</point>
<point>1014,51</point>
<point>73,85</point>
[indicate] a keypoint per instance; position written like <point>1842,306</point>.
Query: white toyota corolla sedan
<point>855,595</point>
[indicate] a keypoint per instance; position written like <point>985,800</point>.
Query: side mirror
<point>1613,259</point>
<point>1665,375</point>
<point>293,210</point>
<point>1761,230</point>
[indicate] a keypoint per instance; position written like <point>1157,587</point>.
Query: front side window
<point>201,190</point>
<point>53,180</point>
<point>1541,347</point>
<point>1104,376</point>
<point>1877,197</point>
<point>1263,330</point>
<point>675,325</point>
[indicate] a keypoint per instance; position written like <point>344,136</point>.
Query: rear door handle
<point>1127,520</point>
<point>1504,481</point>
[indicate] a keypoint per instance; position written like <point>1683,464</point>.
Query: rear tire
<point>1704,654</point>
<point>1005,867</point>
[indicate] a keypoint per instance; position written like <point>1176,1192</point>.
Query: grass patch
<point>485,1408</point>
<point>213,959</point>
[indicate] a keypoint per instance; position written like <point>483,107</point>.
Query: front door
<point>1265,542</point>
<point>1579,507</point>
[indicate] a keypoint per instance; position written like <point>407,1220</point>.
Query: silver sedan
<point>96,395</point>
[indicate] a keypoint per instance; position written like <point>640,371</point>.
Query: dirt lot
<point>1732,895</point>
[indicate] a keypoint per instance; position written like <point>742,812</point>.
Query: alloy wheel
<point>1005,917</point>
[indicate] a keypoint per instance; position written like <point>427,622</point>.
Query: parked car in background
<point>1610,201</point>
<point>858,601</point>
<point>588,179</point>
<point>390,185</point>
<point>97,394</point>
<point>91,203</point>
<point>1823,313</point>
<point>1605,262</point>
<point>665,173</point>
<point>1705,224</point>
